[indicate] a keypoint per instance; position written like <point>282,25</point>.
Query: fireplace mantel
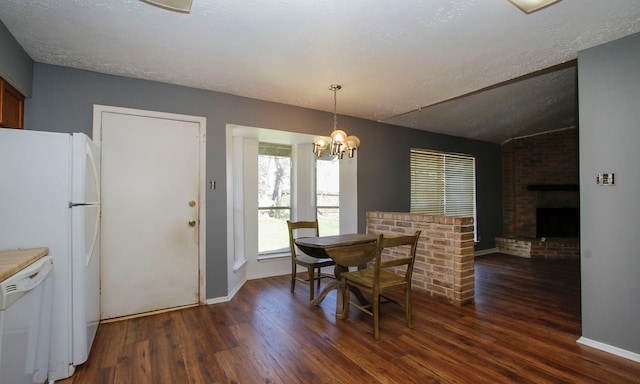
<point>552,187</point>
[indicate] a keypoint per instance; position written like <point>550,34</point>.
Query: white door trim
<point>98,110</point>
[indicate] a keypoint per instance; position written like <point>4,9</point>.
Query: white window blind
<point>443,184</point>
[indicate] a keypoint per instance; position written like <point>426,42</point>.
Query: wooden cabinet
<point>11,106</point>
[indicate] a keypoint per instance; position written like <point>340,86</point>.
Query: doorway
<point>153,195</point>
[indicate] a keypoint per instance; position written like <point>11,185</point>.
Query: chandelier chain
<point>335,108</point>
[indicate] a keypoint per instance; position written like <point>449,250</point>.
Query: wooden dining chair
<point>312,264</point>
<point>391,272</point>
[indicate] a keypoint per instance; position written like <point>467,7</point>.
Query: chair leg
<point>311,286</point>
<point>407,306</point>
<point>293,275</point>
<point>376,316</point>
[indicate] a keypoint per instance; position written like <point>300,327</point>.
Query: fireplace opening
<point>558,222</point>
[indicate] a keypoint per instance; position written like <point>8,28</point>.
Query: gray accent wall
<point>16,66</point>
<point>63,101</point>
<point>609,94</point>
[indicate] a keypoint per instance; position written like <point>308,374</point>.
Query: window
<point>244,260</point>
<point>274,197</point>
<point>328,196</point>
<point>443,184</point>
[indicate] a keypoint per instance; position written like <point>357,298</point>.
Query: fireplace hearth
<point>553,248</point>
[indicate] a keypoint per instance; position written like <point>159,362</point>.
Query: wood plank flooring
<point>521,329</point>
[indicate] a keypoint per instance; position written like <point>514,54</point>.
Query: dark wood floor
<point>522,329</point>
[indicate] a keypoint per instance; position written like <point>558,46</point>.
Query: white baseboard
<point>609,349</point>
<point>268,274</point>
<point>485,252</point>
<point>218,300</point>
<point>224,299</point>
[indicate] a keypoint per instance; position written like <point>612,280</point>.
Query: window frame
<point>241,190</point>
<point>276,150</point>
<point>323,231</point>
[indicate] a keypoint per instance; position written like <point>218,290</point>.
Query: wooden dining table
<point>348,250</point>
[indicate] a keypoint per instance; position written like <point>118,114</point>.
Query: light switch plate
<point>605,179</point>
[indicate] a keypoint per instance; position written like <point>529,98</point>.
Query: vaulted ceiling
<point>480,69</point>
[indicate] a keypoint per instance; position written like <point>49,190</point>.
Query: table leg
<point>339,299</point>
<point>337,270</point>
<point>330,287</point>
<point>337,285</point>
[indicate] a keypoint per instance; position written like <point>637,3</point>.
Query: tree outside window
<point>274,197</point>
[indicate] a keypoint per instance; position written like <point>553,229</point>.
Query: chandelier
<point>528,6</point>
<point>183,6</point>
<point>339,142</point>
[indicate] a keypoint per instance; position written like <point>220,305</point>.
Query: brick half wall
<point>444,266</point>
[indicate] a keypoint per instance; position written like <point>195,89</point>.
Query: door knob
<point>192,203</point>
<point>192,223</point>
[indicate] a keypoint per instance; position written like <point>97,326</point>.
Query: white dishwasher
<point>25,324</point>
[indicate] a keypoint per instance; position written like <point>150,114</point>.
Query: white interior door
<point>151,193</point>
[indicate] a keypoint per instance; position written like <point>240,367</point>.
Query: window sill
<point>273,256</point>
<point>239,264</point>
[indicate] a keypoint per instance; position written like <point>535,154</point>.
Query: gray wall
<point>16,66</point>
<point>609,90</point>
<point>62,100</point>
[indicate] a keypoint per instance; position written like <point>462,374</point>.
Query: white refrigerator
<point>50,197</point>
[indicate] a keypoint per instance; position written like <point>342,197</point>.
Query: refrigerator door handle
<point>94,172</point>
<point>96,181</point>
<point>96,229</point>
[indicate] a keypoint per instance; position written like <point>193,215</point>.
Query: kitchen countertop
<point>12,261</point>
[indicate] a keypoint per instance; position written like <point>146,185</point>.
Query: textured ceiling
<point>539,102</point>
<point>407,63</point>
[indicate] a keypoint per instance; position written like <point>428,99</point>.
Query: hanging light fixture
<point>528,6</point>
<point>183,6</point>
<point>339,142</point>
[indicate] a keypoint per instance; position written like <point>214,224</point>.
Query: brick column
<point>444,260</point>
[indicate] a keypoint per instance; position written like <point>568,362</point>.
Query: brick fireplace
<point>541,196</point>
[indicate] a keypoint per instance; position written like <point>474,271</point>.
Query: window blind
<point>272,149</point>
<point>443,184</point>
